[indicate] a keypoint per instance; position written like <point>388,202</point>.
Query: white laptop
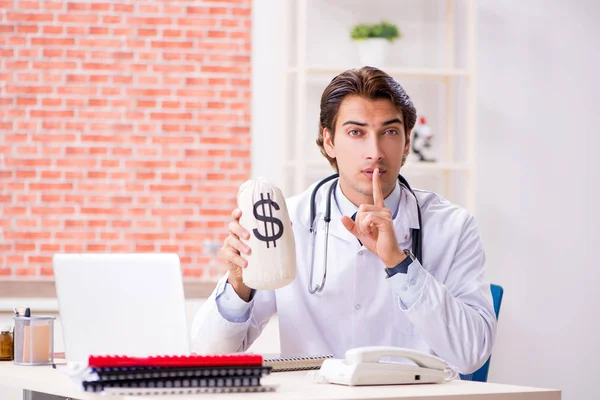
<point>121,304</point>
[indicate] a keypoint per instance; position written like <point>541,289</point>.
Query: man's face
<point>369,134</point>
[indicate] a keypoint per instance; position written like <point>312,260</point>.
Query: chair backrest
<point>481,374</point>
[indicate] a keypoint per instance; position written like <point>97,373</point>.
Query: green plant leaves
<point>384,30</point>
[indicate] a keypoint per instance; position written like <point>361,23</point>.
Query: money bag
<point>272,262</point>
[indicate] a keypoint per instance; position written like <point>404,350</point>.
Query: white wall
<point>537,179</point>
<point>267,80</point>
<point>538,188</point>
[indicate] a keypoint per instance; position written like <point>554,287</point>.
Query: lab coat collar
<point>405,219</point>
<point>348,208</point>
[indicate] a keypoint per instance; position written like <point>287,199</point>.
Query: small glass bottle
<point>6,343</point>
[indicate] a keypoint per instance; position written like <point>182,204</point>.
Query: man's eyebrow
<point>354,123</point>
<point>392,121</point>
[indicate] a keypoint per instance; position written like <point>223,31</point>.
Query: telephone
<point>364,366</point>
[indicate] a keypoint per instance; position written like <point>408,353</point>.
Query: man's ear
<point>328,143</point>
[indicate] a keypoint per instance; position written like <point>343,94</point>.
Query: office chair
<point>481,374</point>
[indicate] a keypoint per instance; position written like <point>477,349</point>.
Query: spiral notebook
<point>282,364</point>
<point>170,382</point>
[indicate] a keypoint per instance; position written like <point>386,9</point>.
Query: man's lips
<point>371,170</point>
<point>368,173</point>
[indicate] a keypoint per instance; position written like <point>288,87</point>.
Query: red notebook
<point>228,360</point>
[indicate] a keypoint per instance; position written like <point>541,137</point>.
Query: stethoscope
<point>415,233</point>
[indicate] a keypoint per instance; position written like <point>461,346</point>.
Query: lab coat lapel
<point>407,217</point>
<point>336,227</point>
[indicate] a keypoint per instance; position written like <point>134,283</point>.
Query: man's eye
<point>353,132</point>
<point>391,132</point>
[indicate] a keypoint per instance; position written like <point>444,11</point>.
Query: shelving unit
<point>449,85</point>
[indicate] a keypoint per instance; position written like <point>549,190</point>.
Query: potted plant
<point>373,41</point>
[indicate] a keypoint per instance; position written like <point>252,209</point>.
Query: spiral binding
<point>174,383</point>
<point>107,374</point>
<point>301,363</point>
<point>189,391</point>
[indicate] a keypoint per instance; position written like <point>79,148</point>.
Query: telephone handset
<point>364,366</point>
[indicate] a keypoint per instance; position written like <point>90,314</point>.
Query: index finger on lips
<point>377,194</point>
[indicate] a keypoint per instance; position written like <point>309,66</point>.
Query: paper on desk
<point>36,344</point>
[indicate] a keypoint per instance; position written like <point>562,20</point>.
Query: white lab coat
<point>453,316</point>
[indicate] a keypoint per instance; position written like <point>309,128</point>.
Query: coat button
<point>412,282</point>
<point>406,237</point>
<point>357,306</point>
<point>360,253</point>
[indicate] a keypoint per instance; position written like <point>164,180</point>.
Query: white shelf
<point>454,100</point>
<point>411,167</point>
<point>316,70</point>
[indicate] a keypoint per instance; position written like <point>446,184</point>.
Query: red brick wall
<point>124,126</point>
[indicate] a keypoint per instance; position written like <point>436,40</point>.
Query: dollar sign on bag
<point>268,220</point>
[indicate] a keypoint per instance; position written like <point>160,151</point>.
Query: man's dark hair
<point>370,83</point>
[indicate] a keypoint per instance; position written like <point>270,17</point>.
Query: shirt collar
<point>347,208</point>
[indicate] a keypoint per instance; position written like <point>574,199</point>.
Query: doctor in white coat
<point>376,292</point>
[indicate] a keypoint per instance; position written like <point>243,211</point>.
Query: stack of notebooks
<point>176,374</point>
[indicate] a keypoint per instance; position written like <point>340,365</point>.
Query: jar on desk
<point>6,343</point>
<point>34,340</point>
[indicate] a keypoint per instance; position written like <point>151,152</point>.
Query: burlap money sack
<point>272,263</point>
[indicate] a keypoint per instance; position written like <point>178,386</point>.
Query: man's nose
<point>374,149</point>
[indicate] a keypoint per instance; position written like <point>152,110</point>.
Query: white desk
<point>292,385</point>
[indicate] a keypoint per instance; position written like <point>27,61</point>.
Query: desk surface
<point>291,385</point>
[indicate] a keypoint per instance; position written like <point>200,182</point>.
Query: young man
<point>376,292</point>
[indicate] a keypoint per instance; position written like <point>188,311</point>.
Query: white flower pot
<point>373,52</point>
